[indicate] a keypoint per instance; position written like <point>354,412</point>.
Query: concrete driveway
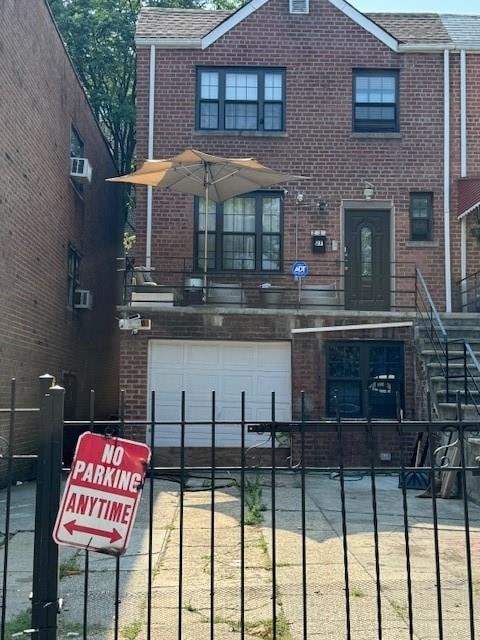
<point>324,572</point>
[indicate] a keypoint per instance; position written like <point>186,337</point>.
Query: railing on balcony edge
<point>175,282</point>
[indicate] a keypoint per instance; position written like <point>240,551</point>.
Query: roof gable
<point>201,28</point>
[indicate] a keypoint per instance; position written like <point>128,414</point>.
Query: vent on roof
<point>298,6</point>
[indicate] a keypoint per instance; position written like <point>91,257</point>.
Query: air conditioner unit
<point>83,299</point>
<point>80,170</point>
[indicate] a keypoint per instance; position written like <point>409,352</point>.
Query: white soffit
<point>343,6</point>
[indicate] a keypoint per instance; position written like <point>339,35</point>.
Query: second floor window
<point>73,275</point>
<point>421,216</point>
<point>375,100</point>
<point>244,233</point>
<point>235,99</point>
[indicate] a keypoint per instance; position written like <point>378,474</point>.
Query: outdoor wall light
<point>369,191</point>
<point>300,197</point>
<point>322,205</point>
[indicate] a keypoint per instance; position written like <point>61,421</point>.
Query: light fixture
<point>322,205</point>
<point>300,197</point>
<point>369,191</point>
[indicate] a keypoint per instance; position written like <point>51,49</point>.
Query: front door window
<point>364,376</point>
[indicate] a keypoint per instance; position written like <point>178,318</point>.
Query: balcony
<point>329,286</point>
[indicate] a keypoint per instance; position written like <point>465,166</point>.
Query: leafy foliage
<point>99,35</point>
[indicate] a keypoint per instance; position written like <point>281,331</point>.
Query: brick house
<point>380,112</point>
<point>61,231</point>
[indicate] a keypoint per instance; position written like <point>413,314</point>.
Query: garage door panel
<point>198,367</point>
<point>202,355</point>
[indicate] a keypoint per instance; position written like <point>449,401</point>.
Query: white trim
<point>446,178</point>
<point>343,6</point>
<point>437,47</point>
<point>465,213</point>
<point>463,171</point>
<point>231,22</point>
<point>168,43</point>
<point>366,23</point>
<point>355,327</point>
<point>151,117</point>
<point>463,113</point>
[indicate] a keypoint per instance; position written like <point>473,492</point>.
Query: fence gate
<point>260,541</point>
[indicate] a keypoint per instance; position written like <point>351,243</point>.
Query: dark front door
<point>367,260</point>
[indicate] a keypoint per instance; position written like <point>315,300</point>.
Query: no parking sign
<point>102,493</point>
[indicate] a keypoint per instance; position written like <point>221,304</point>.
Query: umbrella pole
<point>205,248</point>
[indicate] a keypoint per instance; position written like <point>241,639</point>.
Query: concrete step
<point>453,355</point>
<point>472,395</point>
<point>448,411</point>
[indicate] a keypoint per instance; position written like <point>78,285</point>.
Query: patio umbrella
<point>211,177</point>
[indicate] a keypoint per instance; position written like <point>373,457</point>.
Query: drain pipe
<point>463,168</point>
<point>446,178</point>
<point>151,113</point>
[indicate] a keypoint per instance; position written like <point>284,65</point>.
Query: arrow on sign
<point>72,526</point>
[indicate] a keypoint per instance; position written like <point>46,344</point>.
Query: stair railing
<point>469,376</point>
<point>427,312</point>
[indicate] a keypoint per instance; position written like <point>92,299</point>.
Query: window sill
<point>242,134</point>
<point>422,244</point>
<point>376,134</point>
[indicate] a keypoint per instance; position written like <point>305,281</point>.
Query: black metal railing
<point>263,542</point>
<point>433,325</point>
<point>468,377</point>
<point>174,281</point>
<point>468,291</point>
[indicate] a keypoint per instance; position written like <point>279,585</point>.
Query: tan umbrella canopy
<point>207,176</point>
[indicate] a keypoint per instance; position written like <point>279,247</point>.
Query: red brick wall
<point>308,363</point>
<point>318,52</point>
<point>40,214</point>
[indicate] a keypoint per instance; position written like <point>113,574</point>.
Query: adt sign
<point>300,269</point>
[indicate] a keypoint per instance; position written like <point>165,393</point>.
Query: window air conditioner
<point>83,299</point>
<point>80,170</point>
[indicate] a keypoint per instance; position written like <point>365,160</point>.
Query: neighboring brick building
<point>58,236</point>
<point>356,102</point>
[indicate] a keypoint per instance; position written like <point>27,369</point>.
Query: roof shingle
<point>412,27</point>
<point>178,23</point>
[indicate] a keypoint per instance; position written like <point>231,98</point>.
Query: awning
<point>468,196</point>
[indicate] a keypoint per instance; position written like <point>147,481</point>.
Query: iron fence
<point>299,529</point>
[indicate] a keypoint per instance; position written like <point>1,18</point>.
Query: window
<point>77,150</point>
<point>421,216</point>
<point>375,100</point>
<point>244,233</point>
<point>73,275</point>
<point>240,99</point>
<point>364,372</point>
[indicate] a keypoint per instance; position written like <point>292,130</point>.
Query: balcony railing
<point>174,282</point>
<point>469,293</point>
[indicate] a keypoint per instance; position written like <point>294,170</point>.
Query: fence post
<point>45,563</point>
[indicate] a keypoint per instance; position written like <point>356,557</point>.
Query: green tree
<point>99,35</point>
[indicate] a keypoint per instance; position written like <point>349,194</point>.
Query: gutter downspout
<point>151,114</point>
<point>446,178</point>
<point>463,170</point>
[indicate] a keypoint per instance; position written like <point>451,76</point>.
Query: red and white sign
<point>102,493</point>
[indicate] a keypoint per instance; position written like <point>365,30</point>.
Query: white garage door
<point>198,367</point>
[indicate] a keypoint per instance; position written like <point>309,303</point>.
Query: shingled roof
<point>178,23</point>
<point>408,28</point>
<point>412,27</point>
